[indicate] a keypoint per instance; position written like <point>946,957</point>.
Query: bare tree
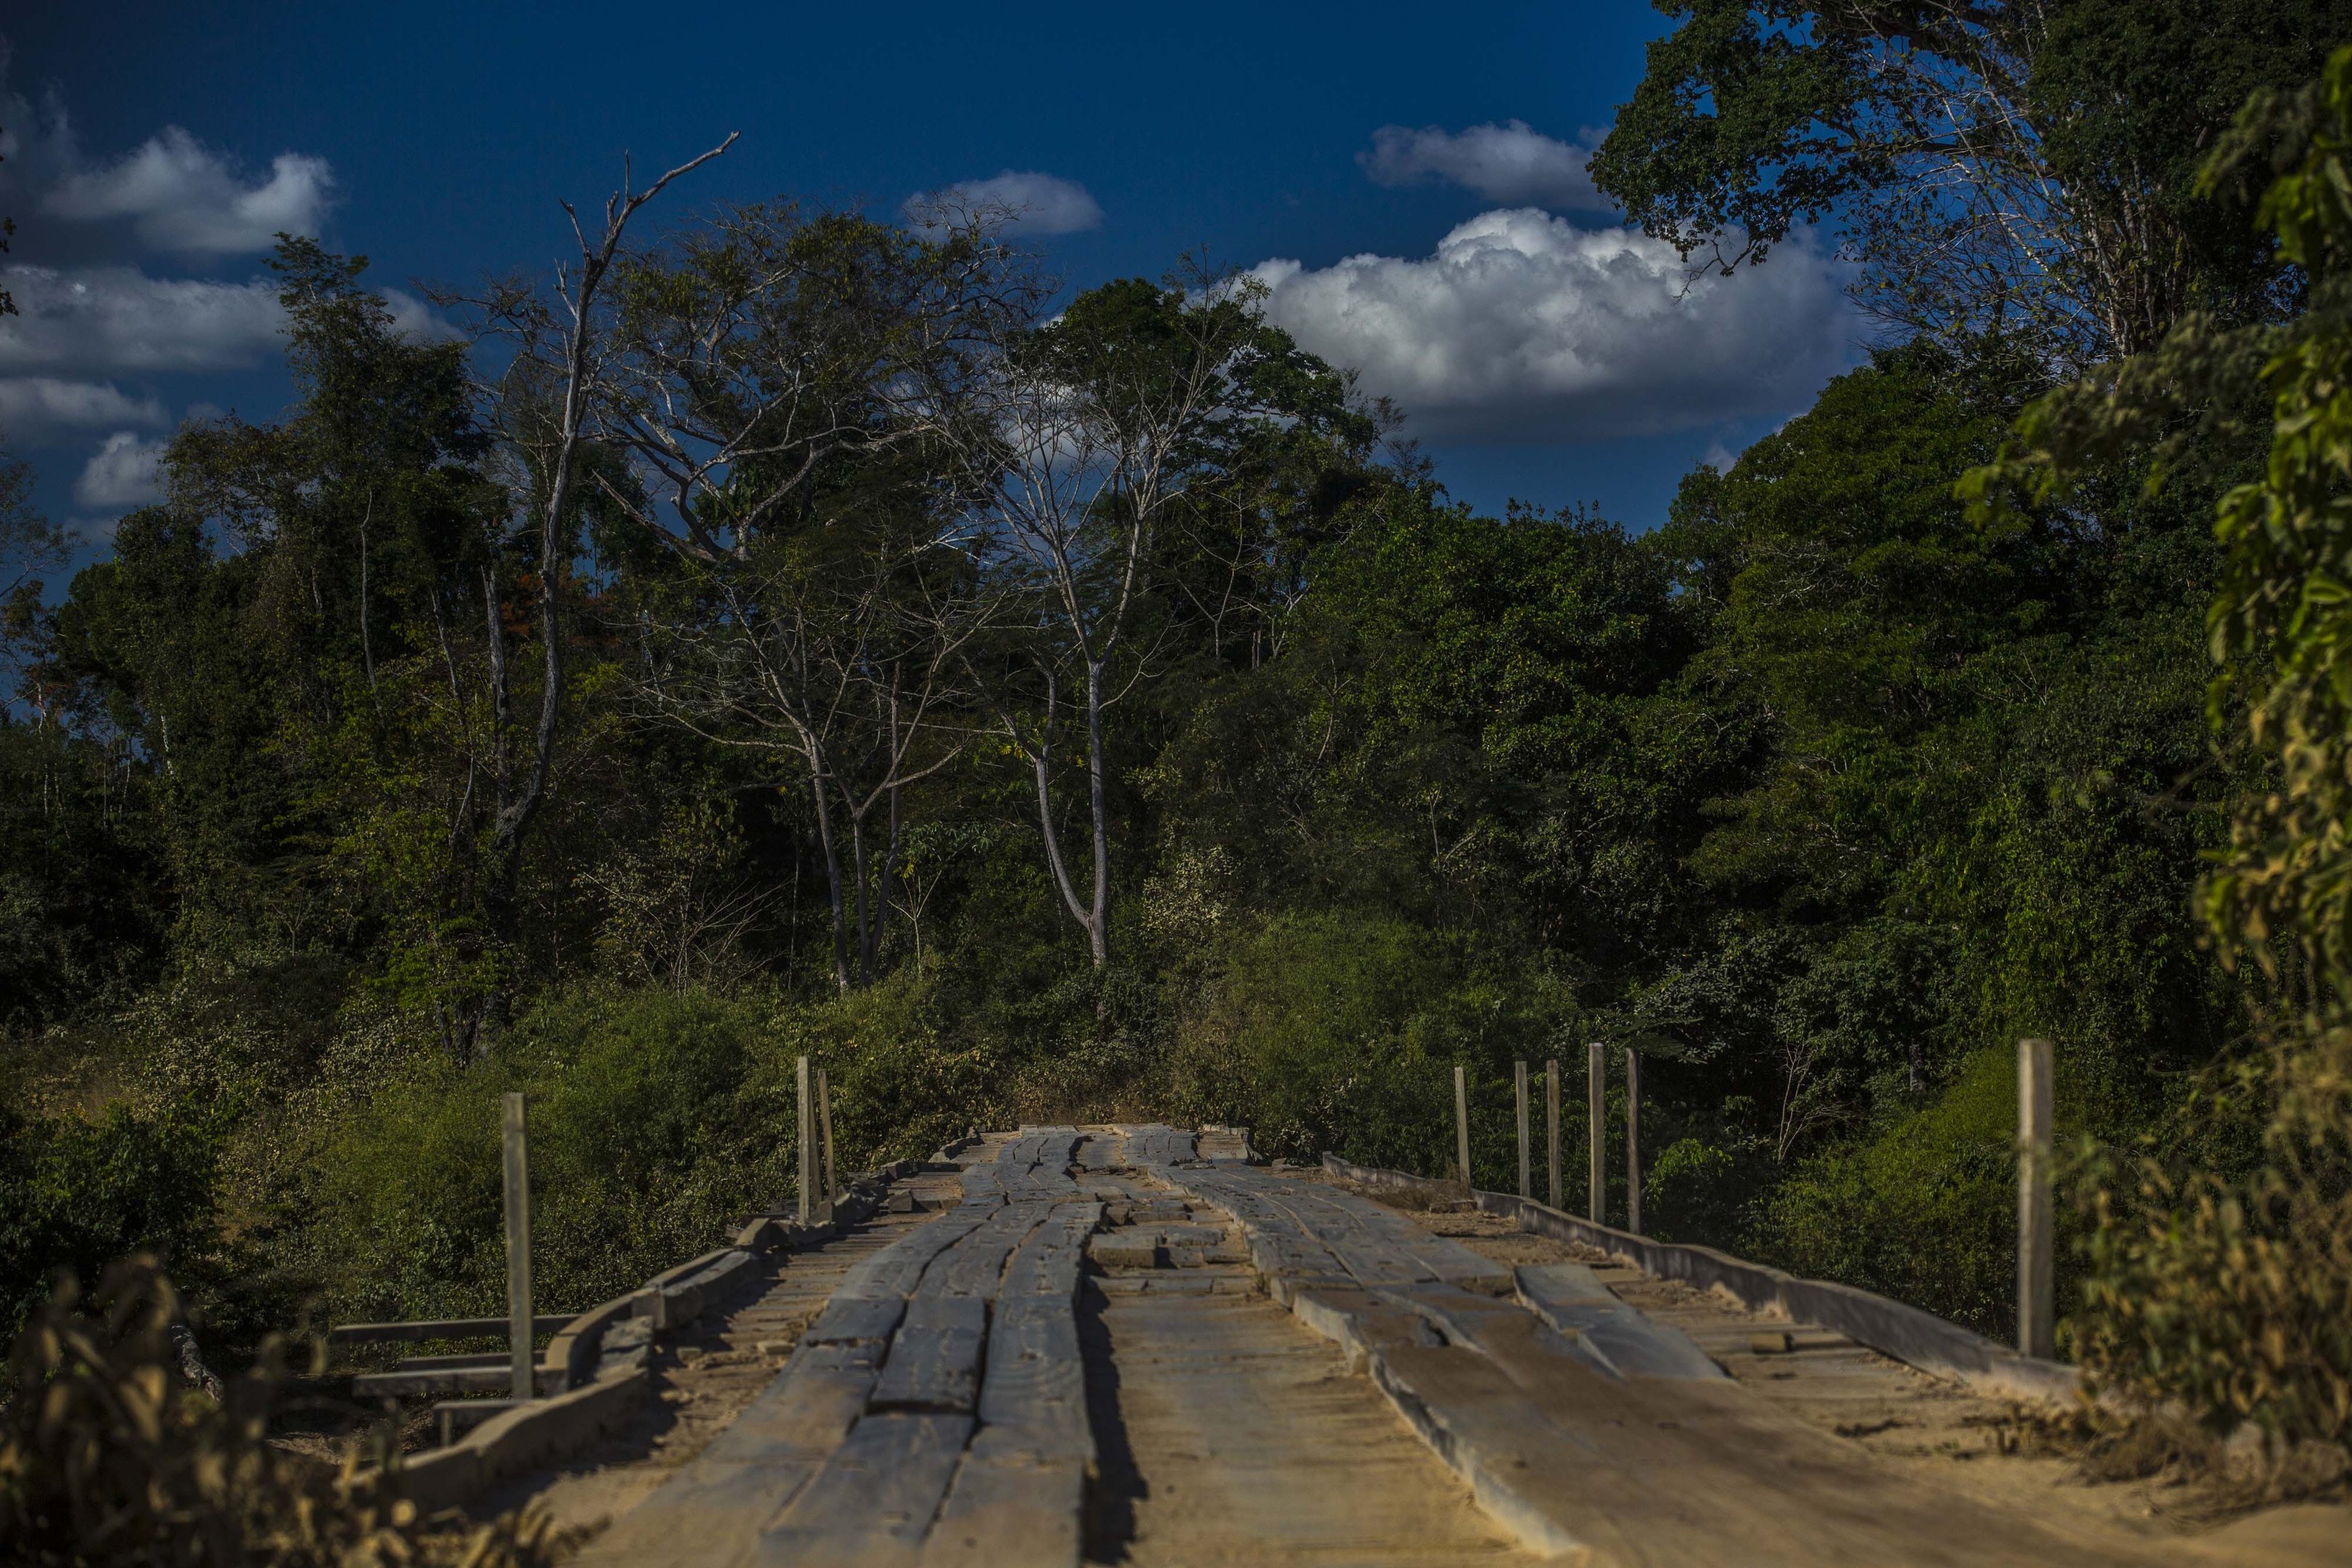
<point>1095,428</point>
<point>559,388</point>
<point>787,379</point>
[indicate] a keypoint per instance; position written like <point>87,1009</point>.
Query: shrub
<point>1341,1031</point>
<point>658,1119</point>
<point>1863,1215</point>
<point>105,1459</point>
<point>78,1193</point>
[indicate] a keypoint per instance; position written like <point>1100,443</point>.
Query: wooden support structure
<point>2036,1281</point>
<point>1462,1127</point>
<point>1552,1124</point>
<point>523,1379</point>
<point>1633,1140</point>
<point>1596,1109</point>
<point>824,1129</point>
<point>808,1151</point>
<point>1527,1178</point>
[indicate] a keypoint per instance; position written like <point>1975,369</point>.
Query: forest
<point>780,632</point>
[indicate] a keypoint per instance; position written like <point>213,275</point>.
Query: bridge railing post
<point>1462,1127</point>
<point>825,1130</point>
<point>808,1150</point>
<point>1596,1119</point>
<point>1633,1140</point>
<point>2036,1241</point>
<point>523,1383</point>
<point>1526,1179</point>
<point>1552,1124</point>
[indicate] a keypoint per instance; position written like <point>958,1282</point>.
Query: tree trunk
<point>1099,925</point>
<point>832,877</point>
<point>865,926</point>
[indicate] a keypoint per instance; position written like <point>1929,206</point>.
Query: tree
<point>2019,167</point>
<point>2223,1288</point>
<point>1095,434</point>
<point>784,380</point>
<point>553,408</point>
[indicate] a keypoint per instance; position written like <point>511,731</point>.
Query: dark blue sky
<point>451,131</point>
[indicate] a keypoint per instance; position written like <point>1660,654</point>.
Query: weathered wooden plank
<point>974,1266</point>
<point>1033,1397</point>
<point>873,1503</point>
<point>1380,1245</point>
<point>896,1269</point>
<point>713,1511</point>
<point>1048,1262</point>
<point>450,1380</point>
<point>934,1360</point>
<point>1573,1299</point>
<point>853,1319</point>
<point>442,1329</point>
<point>1007,1510</point>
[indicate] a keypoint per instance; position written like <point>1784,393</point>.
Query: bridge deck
<point>974,1391</point>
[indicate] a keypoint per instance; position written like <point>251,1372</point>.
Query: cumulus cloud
<point>1511,162</point>
<point>36,407</point>
<point>178,195</point>
<point>120,474</point>
<point>1027,200</point>
<point>1522,327</point>
<point>111,319</point>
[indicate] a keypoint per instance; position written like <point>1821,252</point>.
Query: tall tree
<point>1096,431</point>
<point>2025,165</point>
<point>785,379</point>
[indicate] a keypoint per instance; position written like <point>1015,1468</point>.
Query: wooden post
<point>2037,1296</point>
<point>808,1151</point>
<point>1462,1127</point>
<point>825,1126</point>
<point>1552,1124</point>
<point>1596,1112</point>
<point>1633,1140</point>
<point>1526,1177</point>
<point>524,1384</point>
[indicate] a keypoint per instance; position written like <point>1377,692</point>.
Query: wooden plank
<point>1033,1397</point>
<point>1370,1243</point>
<point>852,1320</point>
<point>1573,1299</point>
<point>974,1266</point>
<point>873,1503</point>
<point>1658,1471</point>
<point>934,1359</point>
<point>1048,1262</point>
<point>448,1363</point>
<point>442,1329</point>
<point>899,1268</point>
<point>1354,1230</point>
<point>498,1378</point>
<point>1009,1509</point>
<point>714,1509</point>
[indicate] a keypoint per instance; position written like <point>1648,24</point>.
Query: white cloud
<point>1023,200</point>
<point>178,195</point>
<point>1524,328</point>
<point>33,407</point>
<point>414,319</point>
<point>1508,163</point>
<point>101,320</point>
<point>120,474</point>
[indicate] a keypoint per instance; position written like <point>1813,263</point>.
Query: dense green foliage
<point>1112,724</point>
<point>2227,1284</point>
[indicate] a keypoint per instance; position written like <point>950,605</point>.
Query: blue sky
<point>1543,352</point>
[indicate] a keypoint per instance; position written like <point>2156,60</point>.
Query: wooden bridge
<point>1134,1345</point>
